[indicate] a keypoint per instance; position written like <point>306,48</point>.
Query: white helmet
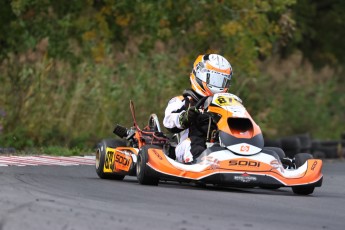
<point>211,74</point>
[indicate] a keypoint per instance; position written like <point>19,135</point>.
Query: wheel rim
<point>98,156</point>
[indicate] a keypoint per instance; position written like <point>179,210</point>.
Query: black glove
<point>187,117</point>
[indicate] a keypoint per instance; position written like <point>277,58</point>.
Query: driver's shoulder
<point>179,98</point>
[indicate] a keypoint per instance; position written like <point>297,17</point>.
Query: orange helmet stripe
<point>207,90</point>
<point>195,86</point>
<point>225,71</point>
<point>198,59</point>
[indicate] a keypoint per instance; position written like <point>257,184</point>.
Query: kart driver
<point>211,74</point>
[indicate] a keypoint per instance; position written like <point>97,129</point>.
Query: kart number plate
<point>122,161</point>
<point>225,101</point>
<point>109,161</point>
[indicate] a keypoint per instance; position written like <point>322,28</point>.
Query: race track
<point>73,197</point>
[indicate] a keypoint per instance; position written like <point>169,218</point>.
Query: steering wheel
<point>201,102</point>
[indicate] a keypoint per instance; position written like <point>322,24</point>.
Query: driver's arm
<point>175,108</point>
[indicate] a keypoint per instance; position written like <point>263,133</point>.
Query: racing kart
<point>235,155</point>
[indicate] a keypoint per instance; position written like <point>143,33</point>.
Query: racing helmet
<point>211,74</point>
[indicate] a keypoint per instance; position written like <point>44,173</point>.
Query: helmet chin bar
<point>215,89</point>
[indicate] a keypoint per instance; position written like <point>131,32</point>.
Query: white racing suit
<point>192,139</point>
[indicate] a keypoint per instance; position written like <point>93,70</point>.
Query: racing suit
<point>193,138</point>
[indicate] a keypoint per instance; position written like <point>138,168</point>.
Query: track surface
<point>73,197</point>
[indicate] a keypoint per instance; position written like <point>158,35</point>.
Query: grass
<point>49,150</point>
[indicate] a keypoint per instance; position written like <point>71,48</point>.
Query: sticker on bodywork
<point>109,161</point>
<point>123,160</point>
<point>245,178</point>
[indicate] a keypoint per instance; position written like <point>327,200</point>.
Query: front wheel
<point>277,150</point>
<point>300,159</point>
<point>144,172</point>
<point>103,160</point>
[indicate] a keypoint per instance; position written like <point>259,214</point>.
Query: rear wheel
<point>300,159</point>
<point>144,172</point>
<point>101,158</point>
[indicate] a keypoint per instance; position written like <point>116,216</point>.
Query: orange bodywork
<point>223,123</point>
<point>122,161</point>
<point>159,162</point>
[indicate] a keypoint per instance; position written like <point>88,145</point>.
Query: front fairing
<point>218,165</point>
<point>243,146</point>
<point>237,130</point>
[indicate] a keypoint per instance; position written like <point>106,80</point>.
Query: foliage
<point>69,68</point>
<point>319,31</point>
<point>297,101</point>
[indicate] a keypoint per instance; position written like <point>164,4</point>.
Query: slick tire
<point>101,156</point>
<point>300,159</point>
<point>144,172</point>
<point>277,150</point>
<point>291,146</point>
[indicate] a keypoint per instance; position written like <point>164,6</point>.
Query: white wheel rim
<point>98,156</point>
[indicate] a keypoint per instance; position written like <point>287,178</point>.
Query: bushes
<point>48,103</point>
<point>68,70</point>
<point>285,103</point>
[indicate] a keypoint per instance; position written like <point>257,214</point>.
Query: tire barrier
<point>303,143</point>
<point>7,150</point>
<point>291,146</point>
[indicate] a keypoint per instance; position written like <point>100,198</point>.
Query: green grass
<point>63,151</point>
<point>53,151</point>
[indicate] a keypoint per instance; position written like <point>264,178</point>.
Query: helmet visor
<point>218,79</point>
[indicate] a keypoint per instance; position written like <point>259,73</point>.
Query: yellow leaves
<point>103,25</point>
<point>200,29</point>
<point>184,62</point>
<point>287,27</point>
<point>213,51</point>
<point>164,23</point>
<point>18,6</point>
<point>89,2</point>
<point>231,28</point>
<point>106,10</point>
<point>89,35</point>
<point>123,20</point>
<point>263,5</point>
<point>265,47</point>
<point>164,33</point>
<point>98,52</point>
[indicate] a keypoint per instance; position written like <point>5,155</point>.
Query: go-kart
<point>235,154</point>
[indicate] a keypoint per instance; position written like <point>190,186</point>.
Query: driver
<point>211,74</point>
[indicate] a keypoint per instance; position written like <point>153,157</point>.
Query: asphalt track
<point>73,197</point>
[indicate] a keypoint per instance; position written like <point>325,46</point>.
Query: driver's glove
<point>187,117</point>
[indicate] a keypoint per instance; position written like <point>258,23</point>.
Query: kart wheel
<point>271,152</point>
<point>277,150</point>
<point>291,146</point>
<point>143,171</point>
<point>300,159</point>
<point>101,155</point>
